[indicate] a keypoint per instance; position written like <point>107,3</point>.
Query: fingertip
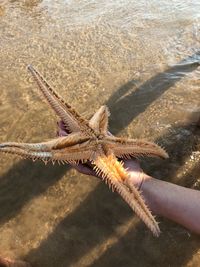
<point>83,169</point>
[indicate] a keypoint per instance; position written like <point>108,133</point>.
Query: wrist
<point>150,192</point>
<point>138,179</point>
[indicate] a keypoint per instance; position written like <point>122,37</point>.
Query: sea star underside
<point>89,140</point>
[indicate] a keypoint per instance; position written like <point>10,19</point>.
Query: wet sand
<point>142,60</point>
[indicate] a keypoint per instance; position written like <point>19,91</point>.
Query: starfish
<point>89,140</point>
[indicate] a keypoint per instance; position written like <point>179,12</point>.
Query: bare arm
<point>174,202</point>
<point>177,203</point>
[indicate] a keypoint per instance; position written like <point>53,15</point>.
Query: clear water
<point>142,59</point>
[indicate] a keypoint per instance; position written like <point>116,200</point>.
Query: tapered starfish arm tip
<point>90,141</point>
<point>117,178</point>
<point>127,148</point>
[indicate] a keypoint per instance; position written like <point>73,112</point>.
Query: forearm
<point>174,202</point>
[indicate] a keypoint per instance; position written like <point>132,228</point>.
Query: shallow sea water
<point>141,58</point>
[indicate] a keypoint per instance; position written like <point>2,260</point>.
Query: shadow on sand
<point>92,223</point>
<point>24,181</point>
<point>175,247</point>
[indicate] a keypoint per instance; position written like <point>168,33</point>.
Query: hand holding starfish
<point>163,198</point>
<point>89,140</point>
<point>137,176</point>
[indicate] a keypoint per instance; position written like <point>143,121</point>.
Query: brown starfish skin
<point>91,141</point>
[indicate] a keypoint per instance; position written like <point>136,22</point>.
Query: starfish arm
<point>72,120</point>
<point>127,148</point>
<point>70,149</point>
<point>99,120</point>
<point>116,176</point>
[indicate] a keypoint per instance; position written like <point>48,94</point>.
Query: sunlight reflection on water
<point>142,59</point>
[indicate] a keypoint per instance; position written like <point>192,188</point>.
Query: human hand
<point>5,262</point>
<point>136,174</point>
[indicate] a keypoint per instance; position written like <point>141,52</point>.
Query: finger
<point>83,168</point>
<point>132,165</point>
<point>61,125</point>
<point>136,174</point>
<point>61,133</point>
<point>61,129</point>
<point>110,134</point>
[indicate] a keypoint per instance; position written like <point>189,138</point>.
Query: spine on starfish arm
<point>72,149</point>
<point>73,121</point>
<point>127,148</point>
<point>115,175</point>
<point>22,150</point>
